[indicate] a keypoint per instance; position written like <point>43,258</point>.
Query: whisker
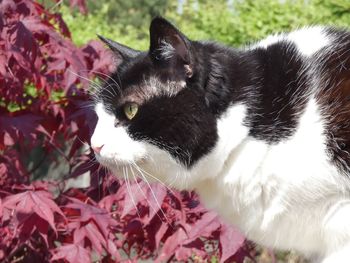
<point>143,193</point>
<point>129,191</point>
<point>90,164</point>
<point>113,92</point>
<point>108,77</point>
<point>96,86</point>
<point>84,143</point>
<point>109,184</point>
<point>174,180</point>
<point>88,105</point>
<point>155,178</point>
<point>153,194</point>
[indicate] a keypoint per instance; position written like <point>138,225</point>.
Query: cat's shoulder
<point>308,40</point>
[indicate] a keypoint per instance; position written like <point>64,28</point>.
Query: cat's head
<point>154,110</point>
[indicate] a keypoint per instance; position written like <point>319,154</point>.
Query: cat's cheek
<point>121,149</point>
<point>113,146</point>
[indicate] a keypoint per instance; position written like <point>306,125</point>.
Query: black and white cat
<point>261,133</point>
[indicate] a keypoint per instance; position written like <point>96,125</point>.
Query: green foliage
<point>133,13</point>
<point>242,22</point>
<point>250,20</point>
<point>85,28</point>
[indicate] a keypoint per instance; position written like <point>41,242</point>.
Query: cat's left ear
<point>126,53</point>
<point>168,44</point>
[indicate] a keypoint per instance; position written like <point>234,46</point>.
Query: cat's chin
<point>121,167</point>
<point>140,169</point>
<point>110,163</point>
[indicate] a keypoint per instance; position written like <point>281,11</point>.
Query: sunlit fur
<point>284,193</point>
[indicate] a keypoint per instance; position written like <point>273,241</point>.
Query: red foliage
<point>44,79</point>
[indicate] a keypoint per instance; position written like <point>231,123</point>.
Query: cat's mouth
<point>115,164</point>
<point>128,170</point>
<point>106,162</point>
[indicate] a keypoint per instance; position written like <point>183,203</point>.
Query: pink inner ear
<point>188,71</point>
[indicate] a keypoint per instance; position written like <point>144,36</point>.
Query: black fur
<point>333,65</point>
<point>281,82</point>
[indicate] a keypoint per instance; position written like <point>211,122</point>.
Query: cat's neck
<point>227,75</point>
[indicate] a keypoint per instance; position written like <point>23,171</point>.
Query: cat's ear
<point>124,52</point>
<point>167,43</point>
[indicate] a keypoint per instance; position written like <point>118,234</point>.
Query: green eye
<point>130,110</point>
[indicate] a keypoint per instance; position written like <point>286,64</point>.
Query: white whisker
<point>153,177</point>
<point>129,190</point>
<point>105,82</point>
<point>154,196</point>
<point>143,193</point>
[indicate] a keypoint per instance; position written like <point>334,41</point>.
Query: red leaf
<point>183,253</point>
<point>1,206</point>
<point>230,241</point>
<point>208,223</point>
<point>72,253</point>
<point>160,233</point>
<point>135,193</point>
<point>14,126</point>
<point>155,197</point>
<point>108,201</point>
<point>62,25</point>
<point>7,4</point>
<point>99,216</point>
<point>112,249</point>
<point>91,232</point>
<point>39,202</point>
<point>171,244</point>
<point>32,223</point>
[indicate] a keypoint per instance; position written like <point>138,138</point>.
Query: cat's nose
<point>97,149</point>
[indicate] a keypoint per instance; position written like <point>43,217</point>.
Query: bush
<point>241,23</point>
<point>247,21</point>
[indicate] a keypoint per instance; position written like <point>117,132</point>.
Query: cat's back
<point>332,65</point>
<point>307,66</point>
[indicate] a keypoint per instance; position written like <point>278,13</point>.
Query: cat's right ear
<point>126,53</point>
<point>169,45</point>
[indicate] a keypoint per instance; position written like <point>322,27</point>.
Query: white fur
<point>307,40</point>
<point>167,51</point>
<point>285,196</point>
<point>118,147</point>
<point>158,88</point>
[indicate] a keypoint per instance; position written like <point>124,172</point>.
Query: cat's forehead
<point>139,82</point>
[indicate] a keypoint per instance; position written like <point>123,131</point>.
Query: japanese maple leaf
<point>155,197</point>
<point>88,212</point>
<point>151,194</point>
<point>91,232</point>
<point>208,223</point>
<point>72,253</point>
<point>230,241</point>
<point>1,206</point>
<point>14,126</point>
<point>29,202</point>
<point>171,244</point>
<point>98,242</point>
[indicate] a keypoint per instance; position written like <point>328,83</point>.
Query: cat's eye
<point>130,110</point>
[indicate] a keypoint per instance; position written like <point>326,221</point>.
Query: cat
<point>261,133</point>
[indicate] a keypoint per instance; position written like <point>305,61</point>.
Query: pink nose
<point>97,149</point>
